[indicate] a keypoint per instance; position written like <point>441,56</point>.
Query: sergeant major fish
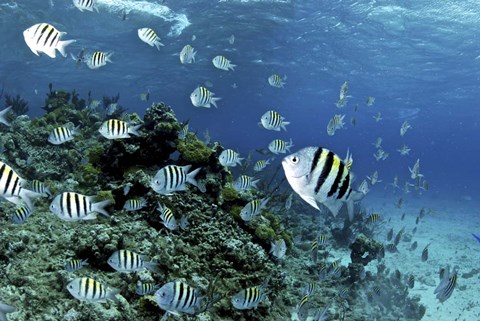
<point>260,165</point>
<point>415,171</point>
<point>278,146</point>
<point>127,261</point>
<point>134,204</point>
<point>97,59</point>
<point>166,215</point>
<point>220,62</point>
<point>90,290</point>
<point>187,55</point>
<point>278,248</point>
<point>149,36</point>
<point>202,97</point>
<point>253,208</point>
<point>173,178</point>
<point>116,129</point>
<point>88,5</point>
<point>178,296</point>
<point>11,187</point>
<point>250,298</point>
<point>75,265</point>
<point>244,182</point>
<point>145,288</point>
<point>230,158</point>
<point>276,81</point>
<point>272,120</point>
<point>21,214</point>
<point>320,177</point>
<point>62,135</point>
<point>71,206</point>
<point>45,38</point>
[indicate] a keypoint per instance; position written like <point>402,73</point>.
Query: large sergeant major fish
<point>320,176</point>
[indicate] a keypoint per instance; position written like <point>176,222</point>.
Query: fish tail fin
<point>100,207</point>
<point>112,295</point>
<point>214,101</point>
<point>108,55</point>
<point>191,177</point>
<point>134,130</point>
<point>63,44</point>
<point>193,56</point>
<point>254,183</point>
<point>152,267</point>
<point>284,124</point>
<point>334,206</point>
<point>158,44</point>
<point>232,67</point>
<point>3,113</point>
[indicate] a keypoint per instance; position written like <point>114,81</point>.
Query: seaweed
<point>19,105</point>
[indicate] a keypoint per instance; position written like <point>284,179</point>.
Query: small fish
<point>321,315</point>
<point>353,121</point>
<point>260,165</point>
<point>94,104</point>
<point>11,187</point>
<point>380,154</point>
<point>399,203</point>
<point>288,201</point>
<point>71,206</point>
<point>62,135</point>
<point>318,175</point>
<point>414,245</point>
<point>370,100</point>
<point>173,178</point>
<point>134,204</point>
<point>314,251</point>
<point>394,184</point>
<point>278,248</point>
<point>45,38</point>
<point>88,5</point>
<point>411,281</point>
<point>392,248</point>
<point>149,36</point>
<point>111,109</point>
<point>168,220</point>
<point>302,308</point>
<point>98,59</point>
<point>5,309</point>
<point>415,171</point>
<point>398,237</point>
<point>202,97</point>
<point>309,289</point>
<point>231,39</point>
<point>425,253</point>
<point>373,218</point>
<point>276,81</point>
<point>363,188</point>
<point>87,289</point>
<point>194,38</point>
<point>278,146</point>
<point>244,182</point>
<point>127,261</point>
<point>40,188</point>
<point>323,239</point>
<point>403,217</point>
<point>21,214</point>
<point>183,131</point>
<point>145,96</point>
<point>476,237</point>
<point>390,235</point>
<point>405,126</point>
<point>117,129</point>
<point>250,298</point>
<point>381,252</point>
<point>184,224</point>
<point>272,120</point>
<point>178,296</point>
<point>3,116</point>
<point>187,55</point>
<point>342,98</point>
<point>378,117</point>
<point>75,265</point>
<point>374,178</point>
<point>414,230</point>
<point>335,123</point>
<point>378,143</point>
<point>447,284</point>
<point>253,208</point>
<point>404,150</point>
<point>145,288</point>
<point>230,158</point>
<point>222,63</point>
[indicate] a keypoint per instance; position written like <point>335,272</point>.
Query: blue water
<point>419,59</point>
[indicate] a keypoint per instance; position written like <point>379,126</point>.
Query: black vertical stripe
<point>77,204</point>
<point>245,298</point>
<point>316,157</point>
<point>180,296</point>
<point>16,184</point>
<point>7,183</point>
<point>50,34</point>
<point>187,296</point>
<point>344,187</point>
<point>69,205</point>
<point>55,37</point>
<point>325,171</point>
<point>85,206</point>
<point>45,27</point>
<point>94,290</point>
<point>337,180</point>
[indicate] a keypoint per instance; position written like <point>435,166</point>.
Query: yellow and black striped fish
<point>71,206</point>
<point>21,214</point>
<point>145,288</point>
<point>11,187</point>
<point>223,63</point>
<point>150,37</point>
<point>178,296</point>
<point>45,38</point>
<point>373,218</point>
<point>447,284</point>
<point>128,261</point>
<point>168,220</point>
<point>88,5</point>
<point>98,59</point>
<point>320,177</point>
<point>276,81</point>
<point>314,251</point>
<point>134,204</point>
<point>278,146</point>
<point>202,97</point>
<point>272,120</point>
<point>87,289</point>
<point>249,298</point>
<point>116,129</point>
<point>61,135</point>
<point>75,265</point>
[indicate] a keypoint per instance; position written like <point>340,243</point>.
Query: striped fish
<point>314,251</point>
<point>178,296</point>
<point>182,133</point>
<point>278,146</point>
<point>309,289</point>
<point>249,298</point>
<point>168,220</point>
<point>373,218</point>
<point>145,288</point>
<point>302,308</point>
<point>425,253</point>
<point>187,55</point>
<point>230,158</point>
<point>127,261</point>
<point>260,165</point>
<point>3,116</point>
<point>45,38</point>
<point>134,204</point>
<point>75,265</point>
<point>173,178</point>
<point>11,187</point>
<point>319,176</point>
<point>272,120</point>
<point>149,36</point>
<point>71,206</point>
<point>245,182</point>
<point>88,5</point>
<point>323,239</point>
<point>116,129</point>
<point>202,97</point>
<point>276,81</point>
<point>447,284</point>
<point>98,59</point>
<point>61,135</point>
<point>21,214</point>
<point>223,63</point>
<point>87,289</point>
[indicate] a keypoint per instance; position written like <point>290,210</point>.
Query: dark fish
<point>414,246</point>
<point>414,230</point>
<point>392,248</point>
<point>417,220</point>
<point>422,213</point>
<point>445,289</point>
<point>381,252</point>
<point>425,253</point>
<point>398,275</point>
<point>403,216</point>
<point>398,237</point>
<point>390,235</point>
<point>373,218</point>
<point>476,237</point>
<point>411,281</point>
<point>314,251</point>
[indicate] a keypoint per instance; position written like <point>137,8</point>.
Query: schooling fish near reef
<point>320,177</point>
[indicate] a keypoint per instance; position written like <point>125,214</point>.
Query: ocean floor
<point>447,228</point>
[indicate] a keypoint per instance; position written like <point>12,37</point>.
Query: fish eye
<point>157,182</point>
<point>70,286</point>
<point>162,294</point>
<point>294,159</point>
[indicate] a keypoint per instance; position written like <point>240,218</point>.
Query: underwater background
<point>418,60</point>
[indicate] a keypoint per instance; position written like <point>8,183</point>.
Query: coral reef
<point>19,106</point>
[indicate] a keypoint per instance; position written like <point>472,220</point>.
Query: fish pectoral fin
<point>50,52</point>
<point>311,201</point>
<point>334,206</point>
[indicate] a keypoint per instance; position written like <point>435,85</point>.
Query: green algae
<point>229,194</point>
<point>193,150</point>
